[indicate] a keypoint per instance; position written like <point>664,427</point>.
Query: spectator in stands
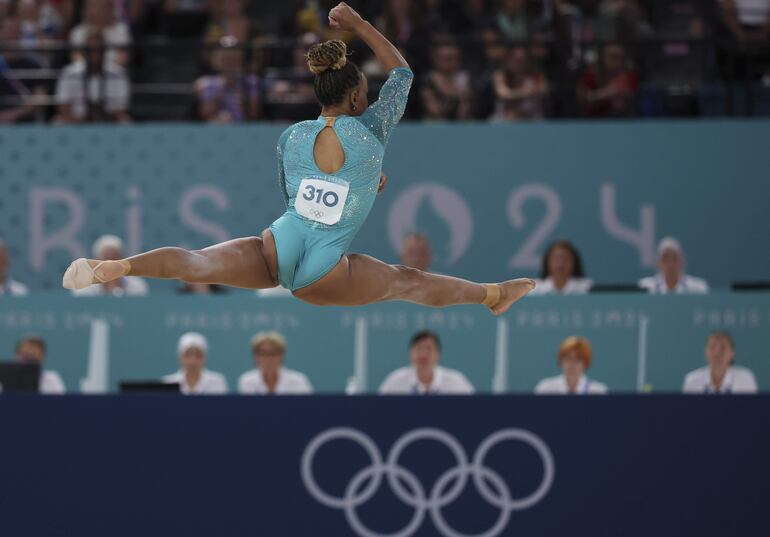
<point>189,288</point>
<point>28,12</point>
<point>609,89</point>
<point>229,95</point>
<point>270,377</point>
<point>8,286</point>
<point>115,35</point>
<point>425,376</point>
<point>720,375</point>
<point>110,247</point>
<point>92,90</point>
<point>621,19</point>
<point>32,350</point>
<point>574,359</point>
<point>747,20</point>
<point>402,23</point>
<point>671,278</point>
<point>520,89</point>
<point>478,15</point>
<point>512,20</point>
<point>193,377</point>
<point>229,21</point>
<point>446,90</point>
<point>416,252</point>
<point>18,96</point>
<point>294,88</point>
<point>562,271</point>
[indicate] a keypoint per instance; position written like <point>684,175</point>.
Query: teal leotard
<point>324,212</point>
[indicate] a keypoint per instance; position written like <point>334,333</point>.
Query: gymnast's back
<point>346,200</point>
<point>325,210</point>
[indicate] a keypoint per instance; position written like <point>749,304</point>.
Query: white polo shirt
<point>13,288</point>
<point>131,286</point>
<point>687,285</point>
<point>210,383</point>
<point>111,88</point>
<point>290,382</point>
<point>51,383</point>
<point>575,286</point>
<point>558,385</point>
<point>737,380</point>
<point>404,381</point>
<point>274,292</point>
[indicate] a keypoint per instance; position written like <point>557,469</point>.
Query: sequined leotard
<point>325,211</point>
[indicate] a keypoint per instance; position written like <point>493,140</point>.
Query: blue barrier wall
<point>490,196</point>
<point>640,342</point>
<point>344,467</point>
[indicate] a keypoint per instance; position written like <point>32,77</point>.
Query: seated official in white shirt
<point>270,377</point>
<point>8,286</point>
<point>574,359</point>
<point>562,271</point>
<point>32,350</point>
<point>671,278</point>
<point>110,248</point>
<point>720,375</point>
<point>193,378</point>
<point>416,252</point>
<point>425,376</point>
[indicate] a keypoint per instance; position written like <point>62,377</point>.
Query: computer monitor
<point>148,386</point>
<point>19,377</point>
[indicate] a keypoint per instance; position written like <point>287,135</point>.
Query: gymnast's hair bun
<point>327,55</point>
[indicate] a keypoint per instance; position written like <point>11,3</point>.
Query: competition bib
<point>321,200</point>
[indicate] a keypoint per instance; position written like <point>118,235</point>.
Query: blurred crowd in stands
<point>226,61</point>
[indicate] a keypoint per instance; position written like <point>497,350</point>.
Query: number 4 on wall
<point>529,254</point>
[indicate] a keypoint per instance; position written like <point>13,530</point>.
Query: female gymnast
<point>330,172</point>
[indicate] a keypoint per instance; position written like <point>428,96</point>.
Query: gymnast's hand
<point>383,182</point>
<point>345,18</point>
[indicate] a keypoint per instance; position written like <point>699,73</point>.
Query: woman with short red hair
<point>574,359</point>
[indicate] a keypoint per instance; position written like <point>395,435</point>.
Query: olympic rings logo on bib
<point>321,200</point>
<point>411,491</point>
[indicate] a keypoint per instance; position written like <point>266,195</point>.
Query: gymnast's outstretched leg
<point>237,263</point>
<point>361,279</point>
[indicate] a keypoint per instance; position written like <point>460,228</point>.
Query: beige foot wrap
<point>493,295</point>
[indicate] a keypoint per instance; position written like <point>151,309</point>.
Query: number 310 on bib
<point>321,200</point>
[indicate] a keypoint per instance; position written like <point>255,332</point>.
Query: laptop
<point>18,377</point>
<point>148,386</point>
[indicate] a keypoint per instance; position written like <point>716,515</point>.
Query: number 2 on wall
<point>530,253</point>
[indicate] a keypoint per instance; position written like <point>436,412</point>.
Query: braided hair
<point>335,76</point>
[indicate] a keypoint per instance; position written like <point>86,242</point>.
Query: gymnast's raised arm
<point>343,17</point>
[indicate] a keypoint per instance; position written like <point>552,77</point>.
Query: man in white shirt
<point>110,247</point>
<point>416,252</point>
<point>720,375</point>
<point>93,90</point>
<point>574,358</point>
<point>8,286</point>
<point>425,376</point>
<point>270,377</point>
<point>193,377</point>
<point>671,278</point>
<point>32,349</point>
